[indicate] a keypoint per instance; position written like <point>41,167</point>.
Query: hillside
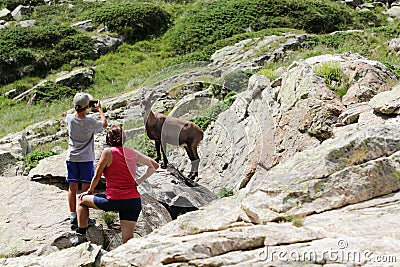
<point>51,46</point>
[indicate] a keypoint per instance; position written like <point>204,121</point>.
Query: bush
<point>36,51</point>
<point>269,73</point>
<point>331,72</point>
<point>333,76</point>
<point>236,81</point>
<point>211,113</point>
<point>109,217</point>
<point>143,144</point>
<point>12,4</point>
<point>136,21</point>
<point>224,18</point>
<point>50,92</point>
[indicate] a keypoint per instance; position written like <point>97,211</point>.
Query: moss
<point>296,220</point>
<point>396,174</point>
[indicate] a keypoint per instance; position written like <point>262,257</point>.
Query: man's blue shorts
<point>129,209</point>
<point>80,172</point>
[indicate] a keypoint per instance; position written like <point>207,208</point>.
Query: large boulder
<point>190,105</point>
<point>387,103</point>
<point>76,78</point>
<point>13,149</point>
<point>394,11</point>
<point>6,161</point>
<point>176,195</point>
<point>34,215</point>
<point>164,195</point>
<point>270,122</point>
<point>337,237</point>
<point>341,171</point>
<point>250,53</point>
<point>5,14</point>
<point>85,254</point>
<point>20,12</point>
<point>105,43</point>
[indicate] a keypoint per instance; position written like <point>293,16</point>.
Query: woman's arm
<point>151,164</point>
<point>105,161</point>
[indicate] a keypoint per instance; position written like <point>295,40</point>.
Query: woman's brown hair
<point>115,136</point>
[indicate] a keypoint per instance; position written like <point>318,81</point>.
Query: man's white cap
<point>82,99</point>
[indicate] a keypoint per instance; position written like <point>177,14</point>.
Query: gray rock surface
<point>394,11</point>
<point>357,235</point>
<point>34,215</point>
<point>79,77</point>
<point>311,172</point>
<point>20,11</point>
<point>85,254</point>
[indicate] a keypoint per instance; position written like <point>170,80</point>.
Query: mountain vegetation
<point>160,34</point>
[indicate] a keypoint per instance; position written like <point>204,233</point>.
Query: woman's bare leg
<point>83,210</point>
<point>127,229</point>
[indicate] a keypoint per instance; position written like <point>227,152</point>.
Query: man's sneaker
<point>74,222</point>
<point>78,239</point>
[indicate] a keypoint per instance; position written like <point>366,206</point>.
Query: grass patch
<point>109,217</point>
<point>225,192</point>
<point>143,144</point>
<point>334,77</point>
<point>296,220</point>
<point>32,159</point>
<point>210,114</point>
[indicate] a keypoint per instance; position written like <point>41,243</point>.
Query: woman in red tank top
<point>118,165</point>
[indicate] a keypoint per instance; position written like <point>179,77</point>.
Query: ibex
<point>169,130</point>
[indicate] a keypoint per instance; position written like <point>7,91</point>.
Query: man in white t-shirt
<point>81,156</point>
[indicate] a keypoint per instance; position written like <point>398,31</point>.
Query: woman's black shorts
<point>129,209</point>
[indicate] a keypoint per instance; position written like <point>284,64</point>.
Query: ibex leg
<point>195,160</point>
<point>165,160</point>
<point>158,145</point>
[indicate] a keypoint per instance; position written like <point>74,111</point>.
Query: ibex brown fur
<point>169,130</point>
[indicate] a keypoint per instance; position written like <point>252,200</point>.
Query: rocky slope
<point>315,176</point>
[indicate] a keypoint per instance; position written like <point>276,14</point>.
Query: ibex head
<point>146,102</point>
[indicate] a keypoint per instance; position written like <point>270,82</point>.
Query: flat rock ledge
<point>363,234</point>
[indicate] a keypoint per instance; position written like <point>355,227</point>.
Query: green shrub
<point>330,71</point>
<point>296,220</point>
<point>224,18</point>
<point>50,92</point>
<point>12,4</point>
<point>211,114</point>
<point>36,51</point>
<point>333,76</point>
<point>143,144</point>
<point>32,159</point>
<point>136,21</point>
<point>109,217</point>
<point>335,41</point>
<point>394,69</point>
<point>269,73</point>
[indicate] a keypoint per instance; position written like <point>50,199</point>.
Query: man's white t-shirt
<point>81,139</point>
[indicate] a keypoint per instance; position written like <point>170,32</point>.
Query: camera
<point>93,103</point>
